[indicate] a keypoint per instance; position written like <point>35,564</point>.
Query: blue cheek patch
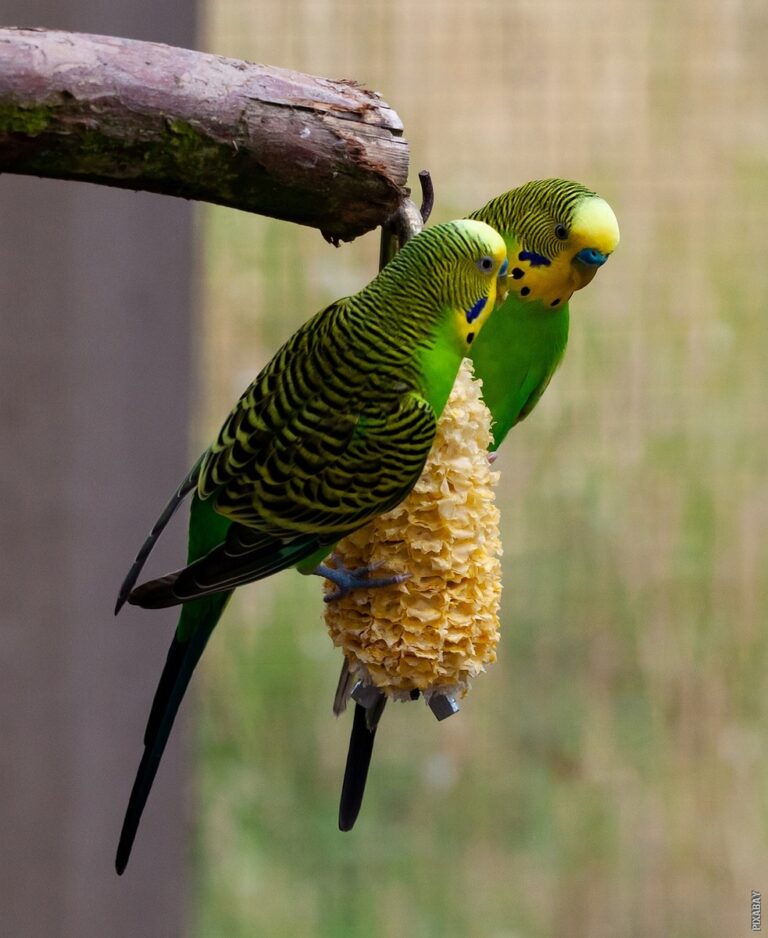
<point>473,313</point>
<point>537,260</point>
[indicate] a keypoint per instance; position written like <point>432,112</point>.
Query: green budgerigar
<point>558,233</point>
<point>334,431</point>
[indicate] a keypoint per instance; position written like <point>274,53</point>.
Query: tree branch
<point>142,115</point>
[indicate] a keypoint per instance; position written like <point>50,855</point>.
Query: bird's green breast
<point>439,364</point>
<point>516,355</point>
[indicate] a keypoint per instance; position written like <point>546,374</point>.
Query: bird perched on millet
<point>335,430</point>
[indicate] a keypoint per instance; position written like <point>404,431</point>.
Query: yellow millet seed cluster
<point>438,629</point>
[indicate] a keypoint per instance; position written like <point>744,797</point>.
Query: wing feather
<point>294,456</point>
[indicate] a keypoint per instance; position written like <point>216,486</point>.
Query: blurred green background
<point>605,778</point>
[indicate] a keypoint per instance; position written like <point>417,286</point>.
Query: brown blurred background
<point>607,776</point>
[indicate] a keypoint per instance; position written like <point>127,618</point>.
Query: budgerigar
<point>558,233</point>
<point>334,431</point>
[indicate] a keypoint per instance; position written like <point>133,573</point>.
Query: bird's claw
<point>360,578</point>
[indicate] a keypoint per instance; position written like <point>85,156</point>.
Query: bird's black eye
<point>485,264</point>
<point>561,231</point>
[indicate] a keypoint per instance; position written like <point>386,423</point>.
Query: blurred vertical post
<point>95,365</point>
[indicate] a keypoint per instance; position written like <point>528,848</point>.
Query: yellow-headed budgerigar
<point>334,431</point>
<point>558,233</point>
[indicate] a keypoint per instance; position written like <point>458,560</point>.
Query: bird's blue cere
<point>592,257</point>
<point>504,267</point>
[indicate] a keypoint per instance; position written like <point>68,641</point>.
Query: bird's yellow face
<point>592,237</point>
<point>482,279</point>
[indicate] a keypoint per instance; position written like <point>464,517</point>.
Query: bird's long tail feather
<point>196,623</point>
<point>180,664</point>
<point>361,740</point>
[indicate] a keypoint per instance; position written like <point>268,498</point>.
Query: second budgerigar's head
<point>558,234</point>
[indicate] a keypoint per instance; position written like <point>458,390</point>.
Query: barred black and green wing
<point>317,446</point>
<point>327,434</point>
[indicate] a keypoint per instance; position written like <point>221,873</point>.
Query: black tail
<point>179,666</point>
<point>358,761</point>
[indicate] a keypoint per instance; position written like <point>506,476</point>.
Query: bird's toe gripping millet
<point>347,580</point>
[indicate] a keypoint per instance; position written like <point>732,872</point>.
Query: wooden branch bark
<point>142,115</point>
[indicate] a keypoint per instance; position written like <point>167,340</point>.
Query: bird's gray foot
<point>359,578</point>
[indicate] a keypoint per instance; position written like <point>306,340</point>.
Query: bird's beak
<point>588,261</point>
<point>502,283</point>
